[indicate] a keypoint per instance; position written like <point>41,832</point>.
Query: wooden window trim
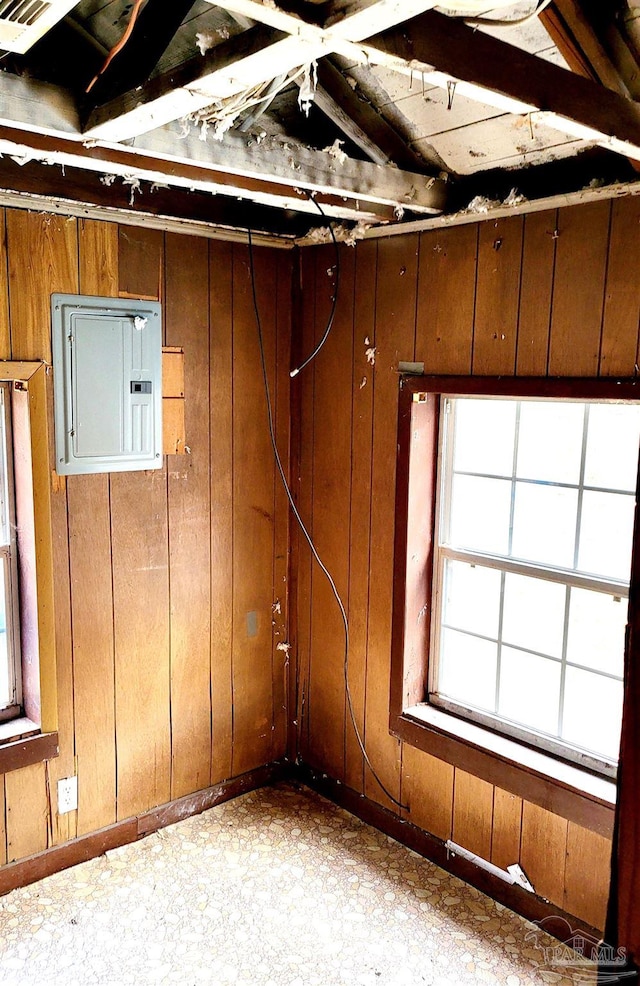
<point>538,777</point>
<point>33,737</point>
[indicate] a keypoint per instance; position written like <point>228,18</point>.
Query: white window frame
<point>569,578</point>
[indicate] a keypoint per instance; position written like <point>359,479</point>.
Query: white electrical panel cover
<point>107,365</point>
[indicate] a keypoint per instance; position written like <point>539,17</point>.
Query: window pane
<point>474,421</point>
<point>479,515</point>
<point>606,531</point>
<point>471,598</point>
<point>6,678</point>
<point>529,690</point>
<point>592,712</point>
<point>534,614</point>
<point>612,446</point>
<point>596,630</point>
<point>550,441</point>
<point>468,669</point>
<point>544,524</point>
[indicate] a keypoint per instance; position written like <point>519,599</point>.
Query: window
<point>10,662</point>
<point>515,501</point>
<point>28,694</point>
<point>532,558</point>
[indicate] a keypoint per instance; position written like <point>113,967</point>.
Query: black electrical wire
<point>332,315</point>
<point>296,512</point>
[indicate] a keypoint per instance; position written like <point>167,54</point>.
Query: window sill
<point>22,744</point>
<point>559,787</point>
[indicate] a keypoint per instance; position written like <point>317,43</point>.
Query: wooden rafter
<point>263,173</point>
<point>446,53</point>
<point>571,31</point>
<point>254,57</point>
<point>360,121</point>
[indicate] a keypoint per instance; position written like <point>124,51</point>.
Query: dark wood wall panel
<point>560,287</point>
<point>332,469</point>
<point>253,513</point>
<point>222,504</point>
<point>159,695</point>
<point>396,298</point>
<point>363,321</point>
<point>187,325</point>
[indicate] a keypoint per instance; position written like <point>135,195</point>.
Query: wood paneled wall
<point>167,581</point>
<point>551,293</point>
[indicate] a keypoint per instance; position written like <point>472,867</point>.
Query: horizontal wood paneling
<point>553,293</point>
<point>148,666</point>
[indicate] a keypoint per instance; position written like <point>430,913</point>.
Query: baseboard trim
<point>557,922</point>
<point>49,861</point>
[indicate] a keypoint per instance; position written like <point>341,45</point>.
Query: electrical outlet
<point>67,794</point>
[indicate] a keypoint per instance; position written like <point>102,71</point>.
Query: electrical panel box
<point>107,364</point>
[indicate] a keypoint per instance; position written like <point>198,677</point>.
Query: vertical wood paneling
<point>427,787</point>
<point>91,584</point>
<point>331,511</point>
<point>588,867</point>
<point>141,263</point>
<point>472,813</point>
<point>497,296</point>
<point>26,811</point>
<point>303,395</point>
<point>221,493</point>
<point>360,526</point>
<point>395,340</point>
<point>113,563</point>
<point>141,627</point>
<point>446,299</point>
<point>3,828</point>
<point>141,589</point>
<point>543,850</point>
<point>529,273</point>
<point>536,286</point>
<point>618,352</point>
<point>281,589</point>
<point>506,829</point>
<point>253,506</point>
<point>43,258</point>
<point>5,328</point>
<point>578,289</point>
<point>98,243</point>
<point>93,649</point>
<point>187,325</point>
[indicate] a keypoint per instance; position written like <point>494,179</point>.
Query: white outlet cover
<point>67,794</point>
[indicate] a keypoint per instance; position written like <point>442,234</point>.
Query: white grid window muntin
<point>10,663</point>
<point>531,572</point>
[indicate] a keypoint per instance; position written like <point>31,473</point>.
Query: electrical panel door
<point>107,361</point>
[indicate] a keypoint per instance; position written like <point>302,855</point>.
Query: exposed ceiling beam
<point>578,43</point>
<point>74,185</point>
<point>251,58</point>
<point>360,121</point>
<point>31,128</point>
<point>447,53</point>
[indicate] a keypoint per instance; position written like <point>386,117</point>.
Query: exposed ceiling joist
<point>359,121</point>
<point>269,174</point>
<point>446,53</point>
<point>254,57</point>
<point>578,43</point>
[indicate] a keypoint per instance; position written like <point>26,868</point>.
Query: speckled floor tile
<point>276,888</point>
